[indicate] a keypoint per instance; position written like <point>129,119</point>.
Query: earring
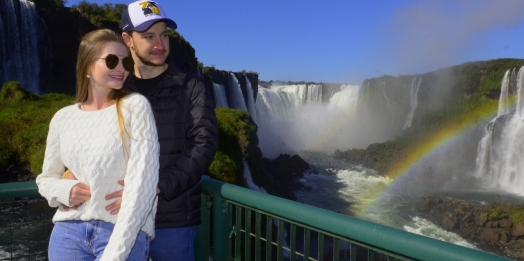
<point>88,76</point>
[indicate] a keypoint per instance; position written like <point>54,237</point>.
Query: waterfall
<point>20,44</point>
<point>499,165</point>
<point>249,180</point>
<point>251,101</point>
<point>388,104</point>
<point>293,118</point>
<point>504,97</point>
<point>220,95</point>
<point>413,101</point>
<point>236,99</point>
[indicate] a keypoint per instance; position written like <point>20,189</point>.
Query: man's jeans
<point>173,244</point>
<point>86,240</point>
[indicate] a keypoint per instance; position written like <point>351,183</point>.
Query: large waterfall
<point>22,34</point>
<point>296,117</point>
<point>499,158</point>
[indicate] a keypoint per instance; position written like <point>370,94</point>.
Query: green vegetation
<point>99,15</point>
<point>22,130</point>
<point>25,117</point>
<point>517,215</point>
<point>495,214</point>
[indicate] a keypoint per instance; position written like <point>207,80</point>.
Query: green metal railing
<point>242,224</point>
<point>250,225</point>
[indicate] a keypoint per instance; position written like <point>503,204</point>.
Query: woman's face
<point>102,77</point>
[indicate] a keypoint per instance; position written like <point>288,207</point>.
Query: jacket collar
<point>175,75</point>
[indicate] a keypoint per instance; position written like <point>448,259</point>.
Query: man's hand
<point>114,207</point>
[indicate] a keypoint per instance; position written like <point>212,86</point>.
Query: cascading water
<point>236,99</point>
<point>504,97</point>
<point>249,180</point>
<point>413,101</point>
<point>220,95</point>
<point>295,119</point>
<point>499,164</point>
<point>388,104</point>
<point>250,101</point>
<point>20,44</point>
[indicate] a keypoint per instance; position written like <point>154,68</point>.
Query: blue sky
<point>346,41</point>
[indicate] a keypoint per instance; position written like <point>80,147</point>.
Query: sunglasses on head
<point>112,62</point>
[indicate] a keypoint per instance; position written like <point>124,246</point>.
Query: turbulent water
<point>343,187</point>
<point>296,119</point>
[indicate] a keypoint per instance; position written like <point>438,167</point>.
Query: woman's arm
<point>50,183</point>
<point>141,180</point>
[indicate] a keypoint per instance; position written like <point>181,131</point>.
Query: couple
<point>139,123</point>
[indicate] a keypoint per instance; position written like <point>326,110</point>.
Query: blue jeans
<point>173,244</point>
<point>86,240</point>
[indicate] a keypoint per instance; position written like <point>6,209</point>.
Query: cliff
<point>456,95</point>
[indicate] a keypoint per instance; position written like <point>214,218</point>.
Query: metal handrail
<point>217,219</point>
<point>383,238</point>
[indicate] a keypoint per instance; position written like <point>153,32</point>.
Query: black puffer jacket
<point>187,132</point>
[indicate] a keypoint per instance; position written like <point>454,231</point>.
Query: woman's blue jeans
<point>86,241</point>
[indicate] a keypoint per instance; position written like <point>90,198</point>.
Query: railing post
<point>220,228</point>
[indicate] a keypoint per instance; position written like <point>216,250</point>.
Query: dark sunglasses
<point>112,62</point>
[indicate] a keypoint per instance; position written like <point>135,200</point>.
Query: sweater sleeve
<point>141,180</point>
<point>50,183</point>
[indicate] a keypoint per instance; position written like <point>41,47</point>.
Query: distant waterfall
<point>295,118</point>
<point>220,95</point>
<point>388,103</point>
<point>504,95</point>
<point>249,180</point>
<point>499,156</point>
<point>251,101</point>
<point>235,94</point>
<point>20,44</point>
<point>413,101</point>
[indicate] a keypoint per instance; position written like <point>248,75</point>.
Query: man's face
<point>152,46</point>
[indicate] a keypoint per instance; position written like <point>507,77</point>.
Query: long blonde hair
<point>90,46</point>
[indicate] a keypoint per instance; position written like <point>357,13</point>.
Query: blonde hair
<point>90,46</point>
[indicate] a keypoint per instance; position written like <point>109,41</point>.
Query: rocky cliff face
<point>498,227</point>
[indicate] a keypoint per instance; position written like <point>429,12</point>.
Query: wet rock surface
<point>496,228</point>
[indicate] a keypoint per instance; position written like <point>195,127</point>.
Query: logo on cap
<point>149,8</point>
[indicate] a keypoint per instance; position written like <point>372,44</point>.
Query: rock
<point>489,236</point>
<point>488,227</point>
<point>287,171</point>
<point>518,230</point>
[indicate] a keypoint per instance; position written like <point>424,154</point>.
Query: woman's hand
<point>79,194</point>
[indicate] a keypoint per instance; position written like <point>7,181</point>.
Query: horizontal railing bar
<point>18,189</point>
<point>383,237</point>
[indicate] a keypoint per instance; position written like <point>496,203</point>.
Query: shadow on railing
<point>242,224</point>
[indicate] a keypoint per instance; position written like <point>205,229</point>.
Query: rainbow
<point>445,137</point>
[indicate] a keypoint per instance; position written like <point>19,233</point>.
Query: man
<point>186,125</point>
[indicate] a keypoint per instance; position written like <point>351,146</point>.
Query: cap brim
<point>144,26</point>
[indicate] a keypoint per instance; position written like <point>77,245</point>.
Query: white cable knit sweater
<point>89,144</point>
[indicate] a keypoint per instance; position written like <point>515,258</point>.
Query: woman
<point>108,135</point>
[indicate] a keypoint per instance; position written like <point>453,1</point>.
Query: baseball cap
<point>140,15</point>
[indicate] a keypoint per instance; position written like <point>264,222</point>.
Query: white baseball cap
<point>140,15</point>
